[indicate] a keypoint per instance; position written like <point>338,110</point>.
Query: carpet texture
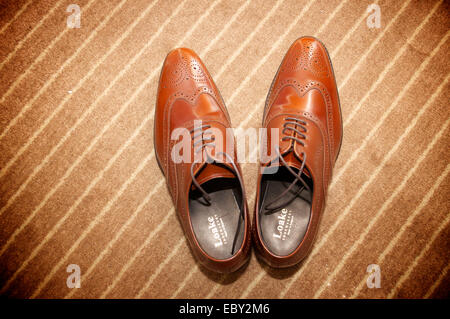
<point>79,183</point>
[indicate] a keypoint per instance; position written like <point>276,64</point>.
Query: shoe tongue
<point>213,170</point>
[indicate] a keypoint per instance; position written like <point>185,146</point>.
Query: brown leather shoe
<point>303,104</point>
<point>204,180</point>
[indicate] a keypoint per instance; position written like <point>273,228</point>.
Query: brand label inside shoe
<point>284,225</point>
<point>217,228</point>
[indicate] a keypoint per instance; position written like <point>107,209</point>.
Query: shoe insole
<point>215,225</point>
<point>283,229</point>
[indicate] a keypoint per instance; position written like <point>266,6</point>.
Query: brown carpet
<point>80,184</point>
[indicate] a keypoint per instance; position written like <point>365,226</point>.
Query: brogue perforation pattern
<point>307,58</point>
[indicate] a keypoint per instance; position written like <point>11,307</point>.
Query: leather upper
<point>305,88</point>
<point>187,93</point>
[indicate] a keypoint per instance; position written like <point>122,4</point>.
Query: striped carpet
<point>80,184</point>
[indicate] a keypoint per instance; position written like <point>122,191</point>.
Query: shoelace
<point>200,132</point>
<point>292,124</point>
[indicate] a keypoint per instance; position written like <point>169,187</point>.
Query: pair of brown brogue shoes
<point>196,152</point>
